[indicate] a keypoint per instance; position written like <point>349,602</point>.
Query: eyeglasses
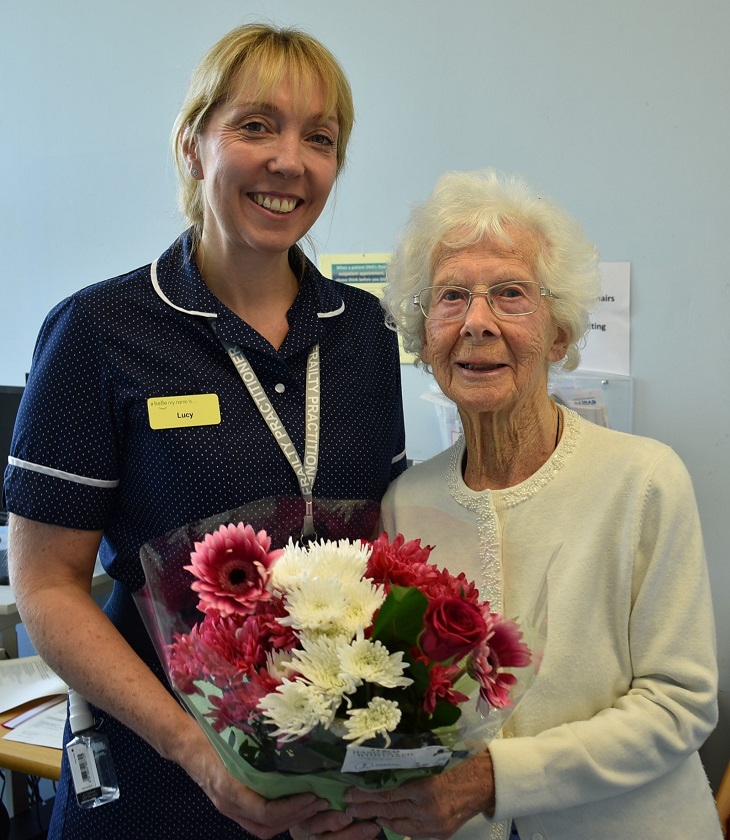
<point>447,303</point>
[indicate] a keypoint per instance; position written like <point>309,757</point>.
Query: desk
<point>25,760</point>
<point>28,758</point>
<point>101,585</point>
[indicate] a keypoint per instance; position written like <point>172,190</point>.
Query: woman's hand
<point>262,817</point>
<point>334,825</point>
<point>435,807</point>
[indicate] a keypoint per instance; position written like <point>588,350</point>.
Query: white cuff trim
<point>399,457</point>
<point>79,479</point>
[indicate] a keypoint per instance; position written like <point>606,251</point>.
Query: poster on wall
<point>600,390</point>
<point>608,345</point>
<point>366,271</point>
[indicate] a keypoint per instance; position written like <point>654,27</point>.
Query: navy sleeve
<point>64,459</point>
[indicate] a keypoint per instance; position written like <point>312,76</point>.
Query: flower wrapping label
<point>362,759</point>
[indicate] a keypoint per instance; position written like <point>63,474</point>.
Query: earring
<point>194,172</point>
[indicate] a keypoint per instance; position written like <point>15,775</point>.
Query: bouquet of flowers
<point>339,663</point>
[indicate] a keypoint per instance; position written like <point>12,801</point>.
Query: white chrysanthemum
<point>319,664</point>
<point>277,663</point>
<point>362,599</point>
<point>290,566</point>
<point>296,709</point>
<point>343,560</point>
<point>380,717</point>
<point>316,605</point>
<point>372,662</point>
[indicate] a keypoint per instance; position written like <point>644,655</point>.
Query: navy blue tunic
<point>84,456</point>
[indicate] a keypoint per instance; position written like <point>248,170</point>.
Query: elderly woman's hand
<point>435,807</point>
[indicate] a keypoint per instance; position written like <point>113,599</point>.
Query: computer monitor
<point>9,401</point>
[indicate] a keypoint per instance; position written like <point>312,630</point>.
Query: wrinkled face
<point>267,168</point>
<point>485,362</point>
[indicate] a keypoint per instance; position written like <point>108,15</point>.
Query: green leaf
<point>418,672</point>
<point>400,619</point>
<point>445,715</point>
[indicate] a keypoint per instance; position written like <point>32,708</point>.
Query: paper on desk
<point>34,710</point>
<point>27,679</point>
<point>44,729</point>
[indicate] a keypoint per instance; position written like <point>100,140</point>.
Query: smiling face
<point>267,168</point>
<point>483,362</point>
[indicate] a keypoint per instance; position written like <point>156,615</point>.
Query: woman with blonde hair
<point>98,467</point>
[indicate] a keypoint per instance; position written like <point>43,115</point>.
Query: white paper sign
<point>608,342</point>
<point>362,759</point>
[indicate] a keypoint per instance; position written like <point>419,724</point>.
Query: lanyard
<point>307,471</point>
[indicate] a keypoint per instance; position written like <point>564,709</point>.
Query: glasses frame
<point>487,294</point>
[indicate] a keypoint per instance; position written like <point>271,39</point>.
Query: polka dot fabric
<point>106,350</point>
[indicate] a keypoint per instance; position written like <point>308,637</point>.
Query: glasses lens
<point>515,297</point>
<point>444,302</point>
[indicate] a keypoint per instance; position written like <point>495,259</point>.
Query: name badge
<point>182,412</point>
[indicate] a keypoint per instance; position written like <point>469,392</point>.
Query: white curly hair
<point>466,207</point>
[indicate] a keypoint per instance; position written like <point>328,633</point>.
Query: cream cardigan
<point>604,744</point>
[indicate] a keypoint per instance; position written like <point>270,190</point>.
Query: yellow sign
<point>184,411</point>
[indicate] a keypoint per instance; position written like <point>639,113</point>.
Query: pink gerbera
<point>233,569</point>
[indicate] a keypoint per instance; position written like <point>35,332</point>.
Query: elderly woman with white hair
<point>491,285</point>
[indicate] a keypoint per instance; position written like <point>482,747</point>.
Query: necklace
<point>557,431</point>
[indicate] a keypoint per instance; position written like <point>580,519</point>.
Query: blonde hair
<point>267,55</point>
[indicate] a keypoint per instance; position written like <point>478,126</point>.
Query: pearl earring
<point>194,172</point>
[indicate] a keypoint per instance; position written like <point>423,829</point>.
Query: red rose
<point>452,627</point>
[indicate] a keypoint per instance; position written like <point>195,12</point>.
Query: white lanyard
<point>307,471</point>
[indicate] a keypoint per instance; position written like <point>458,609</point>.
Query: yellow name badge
<point>185,411</point>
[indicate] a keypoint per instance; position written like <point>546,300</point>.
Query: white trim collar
<point>158,291</point>
<point>163,296</point>
<point>340,309</point>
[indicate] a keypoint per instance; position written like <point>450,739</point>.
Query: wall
<point>618,110</point>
